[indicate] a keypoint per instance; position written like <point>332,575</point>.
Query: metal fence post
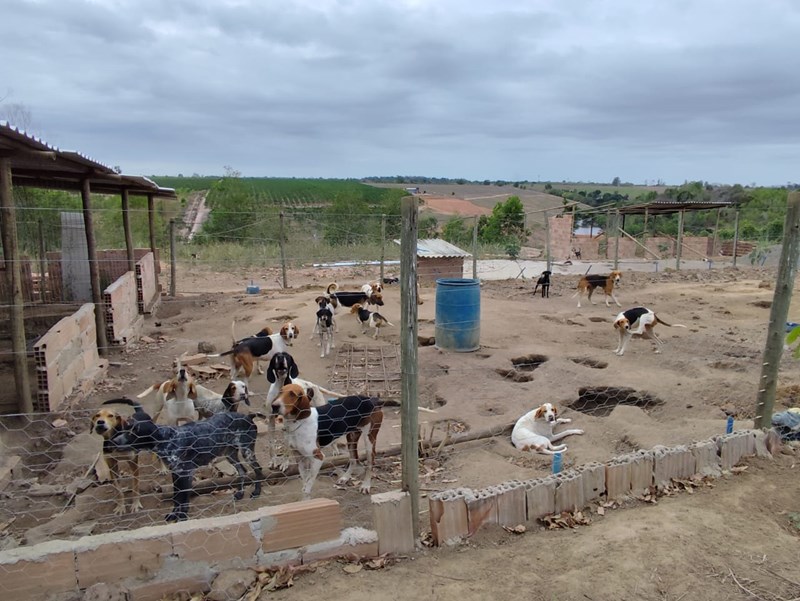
<point>736,237</point>
<point>548,254</point>
<point>776,332</point>
<point>383,245</point>
<point>283,253</point>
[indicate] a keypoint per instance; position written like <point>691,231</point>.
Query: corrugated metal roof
<point>36,163</point>
<point>436,248</point>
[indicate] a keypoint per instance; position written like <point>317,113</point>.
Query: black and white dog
<point>185,448</point>
<point>544,282</point>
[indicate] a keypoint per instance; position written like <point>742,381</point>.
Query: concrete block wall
<point>121,309</point>
<point>65,357</point>
<point>459,513</point>
<point>561,228</point>
<point>147,291</point>
<point>152,562</point>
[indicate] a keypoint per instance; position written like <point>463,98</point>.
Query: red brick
<point>301,523</point>
<point>36,572</point>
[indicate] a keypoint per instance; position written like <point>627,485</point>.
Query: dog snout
<point>276,408</point>
<point>182,374</point>
<point>100,427</point>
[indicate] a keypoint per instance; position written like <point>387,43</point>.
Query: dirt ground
<point>682,546</point>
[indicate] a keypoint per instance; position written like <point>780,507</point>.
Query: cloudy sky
<point>577,90</point>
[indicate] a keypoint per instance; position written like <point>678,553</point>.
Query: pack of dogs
<point>195,426</point>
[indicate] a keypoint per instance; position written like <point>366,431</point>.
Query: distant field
<point>631,191</point>
<point>489,196</point>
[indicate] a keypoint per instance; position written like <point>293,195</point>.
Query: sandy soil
<point>453,206</point>
<point>707,371</point>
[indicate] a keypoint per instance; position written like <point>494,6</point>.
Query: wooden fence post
<point>42,264</point>
<point>736,236</point>
<point>782,297</point>
<point>126,226</point>
<point>409,418</point>
<point>94,269</point>
<point>548,255</point>
<point>173,267</point>
<point>383,245</point>
<point>283,252</point>
<point>475,249</point>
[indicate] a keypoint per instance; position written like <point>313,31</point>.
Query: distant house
<point>587,231</point>
<point>439,259</point>
<point>412,190</point>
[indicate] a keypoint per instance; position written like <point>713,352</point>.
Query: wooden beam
<point>17,310</point>
<point>126,226</point>
<point>94,269</point>
<point>151,226</point>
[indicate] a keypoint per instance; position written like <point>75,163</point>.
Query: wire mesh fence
<point>533,350</point>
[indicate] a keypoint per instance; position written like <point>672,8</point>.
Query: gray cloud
<point>519,90</point>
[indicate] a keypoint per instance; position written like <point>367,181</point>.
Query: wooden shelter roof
<point>35,163</point>
<point>669,207</point>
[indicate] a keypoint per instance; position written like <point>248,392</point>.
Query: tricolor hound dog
<point>108,423</point>
<point>639,321</point>
<point>544,282</point>
<point>308,429</point>
<point>325,324</point>
<point>588,283</point>
<point>534,431</point>
<point>369,319</point>
<point>283,370</point>
<point>185,448</point>
<point>249,350</point>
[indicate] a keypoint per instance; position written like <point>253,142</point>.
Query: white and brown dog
<point>369,319</point>
<point>308,429</point>
<point>107,423</point>
<point>534,431</point>
<point>588,283</point>
<point>639,321</point>
<point>175,397</point>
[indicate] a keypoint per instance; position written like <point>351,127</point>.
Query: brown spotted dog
<point>246,352</point>
<point>639,321</point>
<point>588,283</point>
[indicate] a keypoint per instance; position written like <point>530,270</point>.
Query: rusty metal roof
<point>35,163</point>
<point>667,207</point>
<point>436,248</point>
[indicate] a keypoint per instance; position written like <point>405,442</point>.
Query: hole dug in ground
<point>601,400</point>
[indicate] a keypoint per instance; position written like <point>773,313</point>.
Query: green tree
<point>506,222</point>
<point>457,232</point>
<point>428,227</point>
<point>346,223</point>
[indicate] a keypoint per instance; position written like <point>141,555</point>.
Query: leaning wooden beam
<point>94,269</point>
<point>624,233</point>
<point>8,221</point>
<point>151,226</point>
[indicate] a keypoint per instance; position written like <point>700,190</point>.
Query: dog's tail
<point>330,393</point>
<point>146,392</point>
<point>379,402</point>
<point>233,332</point>
<point>664,323</point>
<point>125,401</point>
<point>332,288</point>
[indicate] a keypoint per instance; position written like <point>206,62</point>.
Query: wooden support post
<point>173,267</point>
<point>126,226</point>
<point>782,297</point>
<point>475,249</point>
<point>715,239</point>
<point>383,246</point>
<point>608,232</point>
<point>647,250</point>
<point>548,255</point>
<point>151,226</point>
<point>736,236</point>
<point>616,239</point>
<point>42,264</point>
<point>679,244</point>
<point>283,252</point>
<point>8,221</point>
<point>409,417</point>
<point>94,269</point>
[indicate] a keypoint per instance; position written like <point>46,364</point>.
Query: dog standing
<point>108,423</point>
<point>588,283</point>
<point>308,429</point>
<point>283,370</point>
<point>348,299</point>
<point>185,448</point>
<point>534,431</point>
<point>175,397</point>
<point>325,329</point>
<point>544,282</point>
<point>246,352</point>
<point>369,319</point>
<point>639,321</point>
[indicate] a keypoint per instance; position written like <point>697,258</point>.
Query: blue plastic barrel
<point>458,314</point>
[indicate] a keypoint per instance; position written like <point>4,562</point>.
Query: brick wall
<point>121,309</point>
<point>430,269</point>
<point>146,284</point>
<point>65,357</point>
<point>560,236</point>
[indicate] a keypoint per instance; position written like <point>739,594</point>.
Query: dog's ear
<point>293,370</point>
<point>296,330</point>
<point>169,387</point>
<point>228,394</point>
<point>192,391</point>
<point>302,406</point>
<point>539,413</point>
<point>271,375</point>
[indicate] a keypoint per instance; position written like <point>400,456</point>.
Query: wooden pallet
<point>372,370</point>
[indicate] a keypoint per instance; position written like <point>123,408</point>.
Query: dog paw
<point>176,516</point>
<point>578,431</point>
<point>365,489</point>
<point>238,495</point>
<point>566,420</point>
<point>120,509</point>
<point>343,480</point>
<point>136,506</point>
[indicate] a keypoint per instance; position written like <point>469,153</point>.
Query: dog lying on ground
<point>108,423</point>
<point>308,429</point>
<point>639,321</point>
<point>544,282</point>
<point>369,319</point>
<point>283,370</point>
<point>246,352</point>
<point>534,431</point>
<point>185,448</point>
<point>588,283</point>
